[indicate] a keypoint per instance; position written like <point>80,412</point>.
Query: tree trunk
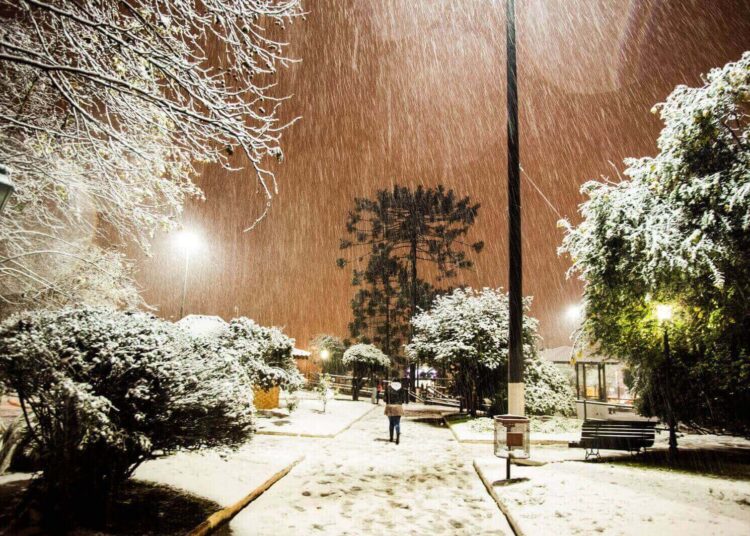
<point>414,287</point>
<point>355,388</point>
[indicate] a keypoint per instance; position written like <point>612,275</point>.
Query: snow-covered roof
<point>298,352</point>
<point>563,354</point>
<point>203,325</point>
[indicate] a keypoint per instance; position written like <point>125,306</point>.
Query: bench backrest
<point>621,430</point>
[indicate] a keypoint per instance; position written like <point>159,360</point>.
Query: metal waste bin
<point>511,438</point>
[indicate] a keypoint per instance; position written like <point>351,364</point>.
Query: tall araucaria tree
<point>677,231</point>
<point>401,231</point>
<point>105,109</point>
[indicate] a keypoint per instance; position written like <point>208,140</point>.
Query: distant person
<point>379,393</point>
<point>394,408</point>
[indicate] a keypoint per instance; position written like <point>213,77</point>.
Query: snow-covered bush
<point>547,391</point>
<point>105,390</point>
<point>364,360</point>
<point>324,389</point>
<point>466,332</point>
<point>266,354</point>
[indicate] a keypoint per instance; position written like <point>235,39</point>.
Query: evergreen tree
<point>401,230</point>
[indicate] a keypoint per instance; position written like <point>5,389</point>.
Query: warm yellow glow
<point>325,354</point>
<point>664,312</point>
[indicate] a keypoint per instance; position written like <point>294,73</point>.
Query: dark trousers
<point>394,423</point>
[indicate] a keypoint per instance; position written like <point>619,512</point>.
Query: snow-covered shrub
<point>547,391</point>
<point>466,332</point>
<point>266,354</point>
<point>324,389</point>
<point>364,360</point>
<point>106,390</point>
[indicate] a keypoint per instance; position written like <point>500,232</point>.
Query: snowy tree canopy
<point>364,360</point>
<point>677,231</point>
<point>266,353</point>
<point>105,107</point>
<point>365,355</point>
<point>684,212</point>
<point>105,390</point>
<point>466,333</point>
<point>469,325</point>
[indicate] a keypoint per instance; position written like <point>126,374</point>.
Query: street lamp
<point>574,313</point>
<point>6,186</point>
<point>188,242</point>
<point>663,313</point>
<point>325,354</point>
<point>664,316</point>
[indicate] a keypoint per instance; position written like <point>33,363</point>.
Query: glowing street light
<point>663,312</point>
<point>188,242</point>
<point>574,313</point>
<point>325,354</point>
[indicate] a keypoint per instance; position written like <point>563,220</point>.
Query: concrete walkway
<point>359,483</point>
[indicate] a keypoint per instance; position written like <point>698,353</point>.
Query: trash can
<point>511,438</point>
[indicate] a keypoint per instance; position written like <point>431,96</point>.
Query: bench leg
<point>592,453</point>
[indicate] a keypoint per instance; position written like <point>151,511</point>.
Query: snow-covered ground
<point>360,484</point>
<point>602,498</point>
<point>481,430</point>
<point>309,420</point>
<point>224,479</point>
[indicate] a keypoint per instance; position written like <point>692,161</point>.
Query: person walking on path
<point>394,408</point>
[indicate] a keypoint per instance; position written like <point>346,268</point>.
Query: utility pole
<point>515,279</point>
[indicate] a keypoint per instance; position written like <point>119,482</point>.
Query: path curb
<point>225,515</point>
<point>515,527</point>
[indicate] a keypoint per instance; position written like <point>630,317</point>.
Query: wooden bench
<point>616,434</point>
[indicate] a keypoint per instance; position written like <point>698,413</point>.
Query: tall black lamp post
<point>515,280</point>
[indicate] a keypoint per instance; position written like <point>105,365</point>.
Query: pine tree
<point>403,229</point>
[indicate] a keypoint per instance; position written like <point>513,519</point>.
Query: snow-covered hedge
<point>466,332</point>
<point>266,354</point>
<point>105,390</point>
<point>365,354</point>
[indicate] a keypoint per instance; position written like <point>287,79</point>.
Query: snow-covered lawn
<point>614,499</point>
<point>308,420</point>
<point>555,430</point>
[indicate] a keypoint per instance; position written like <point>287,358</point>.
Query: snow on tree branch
<point>106,107</point>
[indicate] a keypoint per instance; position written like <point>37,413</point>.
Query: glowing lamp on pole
<point>188,242</point>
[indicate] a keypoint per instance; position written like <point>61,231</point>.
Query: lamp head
<point>188,241</point>
<point>574,313</point>
<point>325,354</point>
<point>663,312</point>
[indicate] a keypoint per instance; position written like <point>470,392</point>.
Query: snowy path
<point>359,483</point>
